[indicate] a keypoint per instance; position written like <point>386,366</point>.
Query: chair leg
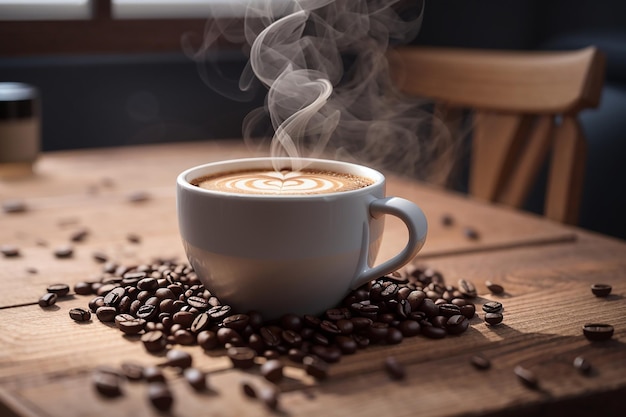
<point>565,182</point>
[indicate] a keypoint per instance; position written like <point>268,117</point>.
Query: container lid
<point>17,100</point>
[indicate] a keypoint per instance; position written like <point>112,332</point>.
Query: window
<point>12,10</point>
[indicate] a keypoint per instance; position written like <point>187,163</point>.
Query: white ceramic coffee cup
<point>297,254</point>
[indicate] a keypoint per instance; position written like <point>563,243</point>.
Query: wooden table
<point>47,360</point>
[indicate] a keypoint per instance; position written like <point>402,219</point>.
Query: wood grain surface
<point>47,360</point>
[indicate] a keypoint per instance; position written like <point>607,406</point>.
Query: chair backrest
<point>525,107</point>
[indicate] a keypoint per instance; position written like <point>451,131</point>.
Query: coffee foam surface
<point>282,182</point>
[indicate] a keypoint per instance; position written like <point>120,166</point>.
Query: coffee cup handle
<point>415,221</point>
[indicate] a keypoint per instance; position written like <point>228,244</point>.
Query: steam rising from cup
<point>325,67</point>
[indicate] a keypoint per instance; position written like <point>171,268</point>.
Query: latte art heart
<point>283,182</point>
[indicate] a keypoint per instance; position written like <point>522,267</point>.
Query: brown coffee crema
<point>304,182</point>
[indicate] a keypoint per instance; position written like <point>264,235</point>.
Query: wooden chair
<point>525,107</point>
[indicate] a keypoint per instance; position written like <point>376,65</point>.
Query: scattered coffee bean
<point>132,371</point>
<point>100,257</point>
<point>153,374</point>
<point>83,288</point>
<point>433,332</point>
<point>601,290</point>
<point>207,340</point>
<point>59,289</point>
<point>493,318</point>
<point>526,377</point>
<point>65,251</point>
<point>447,220</point>
<point>32,270</point>
<point>107,383</point>
<point>154,341</point>
<point>492,307</point>
<point>494,288</point>
<point>160,396</point>
<point>10,251</point>
<point>583,365</point>
<point>248,389</point>
<point>241,357</point>
<point>195,378</point>
<point>471,233</point>
<point>315,367</point>
<point>14,206</point>
<point>79,235</point>
<point>394,369</point>
<point>133,238</point>
<point>132,327</point>
<point>272,370</point>
<point>178,359</point>
<point>269,395</point>
<point>598,331</point>
<point>480,362</point>
<point>48,299</point>
<point>138,196</point>
<point>467,288</point>
<point>80,314</point>
<point>106,314</point>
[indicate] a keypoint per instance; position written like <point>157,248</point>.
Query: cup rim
<point>184,178</point>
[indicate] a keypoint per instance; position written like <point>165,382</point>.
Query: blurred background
<point>113,72</point>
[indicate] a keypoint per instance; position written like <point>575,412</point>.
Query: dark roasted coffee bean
<point>226,335</point>
<point>153,374</point>
<point>330,354</point>
<point>184,318</point>
<point>439,321</point>
<point>80,314</point>
<point>334,314</point>
<point>526,377</point>
<point>83,288</point>
<point>218,313</point>
<point>389,291</point>
<point>178,359</point>
<point>394,336</point>
<point>132,370</point>
<point>107,383</point>
<point>467,288</point>
<point>96,302</point>
<point>59,289</point>
<point>241,357</point>
<point>492,307</point>
<point>10,251</point>
<point>272,370</point>
<point>207,340</point>
<point>14,206</point>
<point>269,337</point>
<point>160,396</point>
<point>329,328</point>
<point>346,344</point>
<point>601,290</point>
<point>147,312</point>
<point>311,321</point>
<point>360,323</point>
<point>457,324</point>
<point>148,284</point>
<point>271,354</point>
<point>114,297</point>
<point>345,326</point>
<point>429,308</point>
<point>79,235</point>
<point>195,378</point>
<point>583,365</point>
<point>449,310</point>
<point>184,337</point>
<point>201,322</point>
<point>291,322</point>
<point>291,338</point>
<point>198,302</point>
<point>494,288</point>
<point>493,318</point>
<point>365,310</point>
<point>471,233</point>
<point>403,309</point>
<point>433,332</point>
<point>269,396</point>
<point>315,367</point>
<point>48,299</point>
<point>480,362</point>
<point>598,331</point>
<point>65,251</point>
<point>296,354</point>
<point>132,327</point>
<point>248,389</point>
<point>409,328</point>
<point>154,341</point>
<point>106,314</point>
<point>468,310</point>
<point>394,369</point>
<point>237,322</point>
<point>377,331</point>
